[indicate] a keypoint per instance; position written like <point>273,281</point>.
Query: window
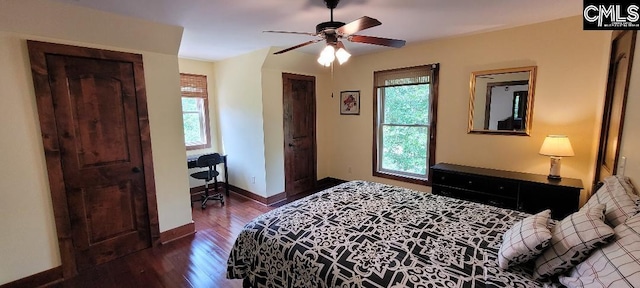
<point>195,111</point>
<point>404,134</point>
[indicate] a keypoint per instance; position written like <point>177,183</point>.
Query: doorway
<point>299,107</point>
<point>95,129</point>
<point>620,61</point>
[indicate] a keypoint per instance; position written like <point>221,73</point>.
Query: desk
<point>191,163</point>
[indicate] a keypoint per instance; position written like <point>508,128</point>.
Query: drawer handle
<point>442,177</point>
<point>470,182</point>
<point>501,188</point>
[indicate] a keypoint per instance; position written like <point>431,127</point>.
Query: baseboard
<point>198,189</point>
<point>322,183</point>
<point>43,279</point>
<point>248,194</point>
<point>177,233</point>
<point>330,181</point>
<point>276,198</point>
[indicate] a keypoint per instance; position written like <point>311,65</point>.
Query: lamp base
<point>554,170</point>
<point>554,177</point>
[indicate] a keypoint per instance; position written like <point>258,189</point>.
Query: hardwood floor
<point>194,261</point>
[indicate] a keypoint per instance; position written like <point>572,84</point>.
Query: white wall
<point>501,103</point>
<point>249,96</point>
<point>630,142</point>
<point>29,242</point>
<point>238,84</point>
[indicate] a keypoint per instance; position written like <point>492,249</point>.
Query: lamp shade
<point>342,55</point>
<point>556,145</point>
<point>327,56</point>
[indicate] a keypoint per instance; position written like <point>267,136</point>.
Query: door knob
<point>136,170</point>
<point>291,145</point>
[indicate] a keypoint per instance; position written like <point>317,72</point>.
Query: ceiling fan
<point>334,31</point>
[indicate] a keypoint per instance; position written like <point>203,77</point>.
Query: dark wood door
<point>622,48</point>
<point>95,111</point>
<point>299,99</point>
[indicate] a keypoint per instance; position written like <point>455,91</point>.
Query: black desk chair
<point>211,161</point>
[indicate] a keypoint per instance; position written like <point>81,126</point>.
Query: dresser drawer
<point>509,203</point>
<point>502,187</point>
<point>469,182</point>
<point>526,192</point>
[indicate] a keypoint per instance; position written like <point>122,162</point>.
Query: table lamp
<point>556,146</point>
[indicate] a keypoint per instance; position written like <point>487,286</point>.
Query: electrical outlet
<point>621,165</point>
<point>253,179</point>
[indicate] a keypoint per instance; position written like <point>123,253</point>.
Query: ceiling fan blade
<point>377,41</point>
<point>297,46</point>
<point>291,32</point>
<point>359,24</point>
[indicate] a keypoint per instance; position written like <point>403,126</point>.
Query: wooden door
<point>92,109</point>
<point>621,59</point>
<point>299,101</point>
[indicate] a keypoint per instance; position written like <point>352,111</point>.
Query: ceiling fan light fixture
<point>342,55</point>
<point>334,31</point>
<point>327,56</point>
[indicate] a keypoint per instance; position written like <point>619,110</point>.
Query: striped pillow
<point>631,190</point>
<point>525,240</point>
<point>572,240</point>
<point>614,265</point>
<point>626,183</point>
<point>619,204</point>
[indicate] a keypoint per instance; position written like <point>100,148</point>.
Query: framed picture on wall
<point>350,103</point>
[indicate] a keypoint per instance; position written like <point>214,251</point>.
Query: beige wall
<point>28,244</point>
<point>630,141</point>
<point>572,67</point>
<point>272,69</point>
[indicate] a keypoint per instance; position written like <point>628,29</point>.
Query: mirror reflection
<point>501,101</point>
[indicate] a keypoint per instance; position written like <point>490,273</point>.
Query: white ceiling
<point>218,29</point>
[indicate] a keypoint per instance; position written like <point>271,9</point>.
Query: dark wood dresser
<point>525,192</point>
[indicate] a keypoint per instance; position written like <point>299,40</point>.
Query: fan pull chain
<point>332,79</point>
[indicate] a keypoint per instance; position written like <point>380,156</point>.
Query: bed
<point>365,234</point>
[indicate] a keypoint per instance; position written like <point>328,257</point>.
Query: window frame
<point>202,111</point>
<point>378,110</point>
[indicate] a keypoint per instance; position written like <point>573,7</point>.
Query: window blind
<point>192,85</point>
<point>408,76</point>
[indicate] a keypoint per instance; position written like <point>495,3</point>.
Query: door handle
<point>135,170</point>
<point>291,145</point>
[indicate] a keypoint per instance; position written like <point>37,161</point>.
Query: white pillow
<point>572,240</point>
<point>525,240</point>
<point>619,204</point>
<point>614,265</point>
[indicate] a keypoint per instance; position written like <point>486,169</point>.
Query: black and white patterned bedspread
<point>364,234</point>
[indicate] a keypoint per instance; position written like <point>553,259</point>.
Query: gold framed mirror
<point>501,101</point>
